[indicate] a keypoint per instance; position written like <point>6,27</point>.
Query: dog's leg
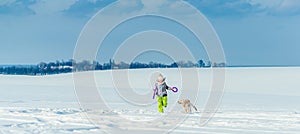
<point>186,108</point>
<point>183,108</point>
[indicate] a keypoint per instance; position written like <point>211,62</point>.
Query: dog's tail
<point>194,107</point>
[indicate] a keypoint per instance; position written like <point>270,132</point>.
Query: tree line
<point>71,65</point>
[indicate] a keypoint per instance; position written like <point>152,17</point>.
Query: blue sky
<point>253,32</point>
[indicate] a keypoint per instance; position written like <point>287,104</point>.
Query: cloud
<point>149,7</point>
<point>51,6</point>
<point>86,8</point>
<point>224,8</point>
<point>292,6</point>
<point>209,7</point>
<point>152,5</point>
<point>6,2</point>
<point>16,7</point>
<point>34,7</point>
<point>279,7</point>
<point>247,7</point>
<point>78,8</point>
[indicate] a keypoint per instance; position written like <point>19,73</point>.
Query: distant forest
<point>69,66</point>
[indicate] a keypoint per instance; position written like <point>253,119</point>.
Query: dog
<point>187,105</point>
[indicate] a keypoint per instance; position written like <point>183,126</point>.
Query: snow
<point>256,100</point>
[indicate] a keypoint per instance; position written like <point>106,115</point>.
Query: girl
<point>160,91</point>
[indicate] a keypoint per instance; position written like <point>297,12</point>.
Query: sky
<point>252,32</point>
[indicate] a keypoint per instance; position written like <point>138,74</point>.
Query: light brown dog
<point>187,105</point>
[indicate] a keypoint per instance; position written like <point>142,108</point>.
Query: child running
<point>160,91</point>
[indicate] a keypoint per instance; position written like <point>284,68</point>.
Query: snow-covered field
<point>256,100</point>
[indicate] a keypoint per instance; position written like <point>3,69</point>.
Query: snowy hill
<point>256,100</point>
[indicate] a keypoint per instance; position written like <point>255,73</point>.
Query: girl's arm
<point>168,88</point>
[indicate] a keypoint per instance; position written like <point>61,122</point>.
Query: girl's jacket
<point>161,89</point>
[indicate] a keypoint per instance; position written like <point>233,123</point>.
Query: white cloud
<point>278,6</point>
<point>122,7</point>
<point>92,1</point>
<point>6,2</point>
<point>265,3</point>
<point>289,6</point>
<point>176,7</point>
<point>51,6</point>
<point>152,5</point>
<point>128,3</point>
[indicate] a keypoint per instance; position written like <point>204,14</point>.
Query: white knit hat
<point>161,77</point>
